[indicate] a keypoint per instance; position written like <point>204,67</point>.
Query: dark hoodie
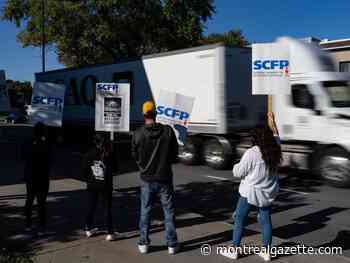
<point>144,146</point>
<point>97,171</point>
<point>38,160</point>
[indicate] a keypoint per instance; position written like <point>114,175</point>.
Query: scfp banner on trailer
<point>270,69</point>
<point>112,112</point>
<point>48,103</point>
<point>175,110</point>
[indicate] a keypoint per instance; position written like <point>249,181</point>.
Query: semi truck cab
<point>314,119</point>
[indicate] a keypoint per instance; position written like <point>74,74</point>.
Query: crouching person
<point>155,148</point>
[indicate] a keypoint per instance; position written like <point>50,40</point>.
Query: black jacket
<point>144,144</point>
<point>97,172</point>
<point>38,161</point>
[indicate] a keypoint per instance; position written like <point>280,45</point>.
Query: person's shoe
<point>265,256</point>
<point>229,252</point>
<point>173,250</point>
<point>91,232</point>
<point>111,237</point>
<point>143,249</point>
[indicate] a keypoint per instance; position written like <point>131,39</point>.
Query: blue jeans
<point>149,192</point>
<point>264,218</point>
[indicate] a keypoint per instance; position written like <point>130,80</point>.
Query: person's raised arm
<point>272,125</point>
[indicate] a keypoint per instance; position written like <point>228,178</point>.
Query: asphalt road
<point>305,212</point>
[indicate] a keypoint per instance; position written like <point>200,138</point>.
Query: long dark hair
<point>271,151</point>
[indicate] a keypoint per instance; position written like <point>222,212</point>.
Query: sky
<point>260,21</point>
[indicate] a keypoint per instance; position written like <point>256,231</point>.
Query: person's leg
<point>242,211</point>
<point>266,226</point>
<point>147,199</point>
<point>167,197</point>
<point>108,210</point>
<point>41,198</point>
<point>29,203</point>
<point>92,197</point>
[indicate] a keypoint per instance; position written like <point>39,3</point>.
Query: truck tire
<point>334,167</point>
<point>217,153</point>
<point>190,153</point>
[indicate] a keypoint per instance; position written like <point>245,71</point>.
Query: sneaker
<point>111,237</point>
<point>173,250</point>
<point>230,252</point>
<point>265,256</point>
<point>143,249</point>
<point>91,232</point>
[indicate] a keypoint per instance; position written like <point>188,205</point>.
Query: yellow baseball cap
<point>148,106</point>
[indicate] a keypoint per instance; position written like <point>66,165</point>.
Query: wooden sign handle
<point>269,103</point>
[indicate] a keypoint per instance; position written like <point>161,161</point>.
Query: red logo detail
<point>286,71</point>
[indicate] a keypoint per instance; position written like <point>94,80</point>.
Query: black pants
<point>93,197</point>
<point>38,191</point>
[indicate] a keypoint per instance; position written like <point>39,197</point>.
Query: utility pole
<point>43,35</point>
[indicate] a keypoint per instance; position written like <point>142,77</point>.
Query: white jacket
<point>257,185</point>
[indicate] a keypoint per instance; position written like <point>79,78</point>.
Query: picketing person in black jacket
<point>37,176</point>
<point>155,149</point>
<point>97,170</point>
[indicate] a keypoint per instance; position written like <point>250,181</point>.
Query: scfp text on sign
<point>47,100</point>
<point>172,113</point>
<point>107,87</point>
<point>270,64</point>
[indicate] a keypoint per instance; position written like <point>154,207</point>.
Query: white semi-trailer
<point>314,121</point>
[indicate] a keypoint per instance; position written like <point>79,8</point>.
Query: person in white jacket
<point>259,186</point>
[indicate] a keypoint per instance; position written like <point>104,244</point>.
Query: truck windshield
<point>339,92</point>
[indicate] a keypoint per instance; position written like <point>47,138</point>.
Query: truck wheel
<point>217,153</point>
<point>190,153</point>
<point>334,167</point>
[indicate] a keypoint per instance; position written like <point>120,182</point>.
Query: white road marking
<point>217,178</point>
<point>283,189</point>
<point>293,191</point>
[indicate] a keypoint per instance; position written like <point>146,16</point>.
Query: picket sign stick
<point>115,177</point>
<point>269,103</point>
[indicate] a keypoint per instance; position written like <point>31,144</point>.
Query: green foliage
<point>19,93</point>
<point>232,38</point>
<point>19,85</point>
<point>103,31</point>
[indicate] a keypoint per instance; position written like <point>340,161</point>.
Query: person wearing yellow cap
<point>155,149</point>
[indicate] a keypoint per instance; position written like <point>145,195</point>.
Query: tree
<point>103,31</point>
<point>19,92</point>
<point>232,38</point>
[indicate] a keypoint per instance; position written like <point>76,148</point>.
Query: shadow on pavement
<point>308,223</point>
<point>66,210</point>
<point>205,201</point>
